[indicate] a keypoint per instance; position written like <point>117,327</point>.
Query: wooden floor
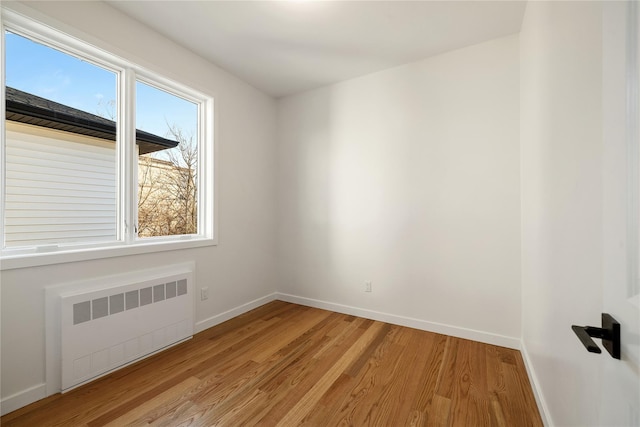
<point>287,365</point>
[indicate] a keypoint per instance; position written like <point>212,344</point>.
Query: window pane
<point>167,163</point>
<point>60,163</point>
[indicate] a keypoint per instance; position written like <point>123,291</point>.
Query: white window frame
<point>127,242</point>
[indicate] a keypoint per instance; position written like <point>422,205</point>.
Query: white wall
<point>240,269</point>
<point>561,137</point>
<point>408,178</point>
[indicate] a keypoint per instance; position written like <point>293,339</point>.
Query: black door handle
<point>609,333</point>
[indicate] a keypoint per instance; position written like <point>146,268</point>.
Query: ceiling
<point>286,47</point>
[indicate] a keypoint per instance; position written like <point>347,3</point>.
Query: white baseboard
<point>230,314</point>
<point>455,331</point>
<point>23,398</point>
<point>535,385</point>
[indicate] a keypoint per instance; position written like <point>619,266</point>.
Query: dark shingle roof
<point>26,108</point>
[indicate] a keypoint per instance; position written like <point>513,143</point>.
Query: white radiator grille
<point>107,328</point>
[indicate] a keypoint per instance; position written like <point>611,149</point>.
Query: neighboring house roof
<point>26,108</point>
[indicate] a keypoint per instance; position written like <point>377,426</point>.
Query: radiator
<point>106,328</point>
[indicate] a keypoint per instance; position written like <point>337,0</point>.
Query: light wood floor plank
<point>308,400</point>
<point>287,365</point>
<point>136,415</point>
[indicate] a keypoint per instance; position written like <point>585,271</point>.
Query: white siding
<point>60,187</point>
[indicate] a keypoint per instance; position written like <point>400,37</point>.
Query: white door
<point>620,379</point>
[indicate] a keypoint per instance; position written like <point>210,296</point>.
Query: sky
<point>54,75</point>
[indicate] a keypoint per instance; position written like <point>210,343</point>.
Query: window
<point>60,159</point>
<point>98,154</point>
<point>167,179</point>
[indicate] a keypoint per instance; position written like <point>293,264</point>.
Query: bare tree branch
<point>167,188</point>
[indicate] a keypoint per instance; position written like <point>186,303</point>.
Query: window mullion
<point>128,157</point>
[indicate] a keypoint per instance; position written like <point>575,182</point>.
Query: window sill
<point>11,262</point>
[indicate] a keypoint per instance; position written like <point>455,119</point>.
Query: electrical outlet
<point>204,294</point>
<point>367,286</point>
